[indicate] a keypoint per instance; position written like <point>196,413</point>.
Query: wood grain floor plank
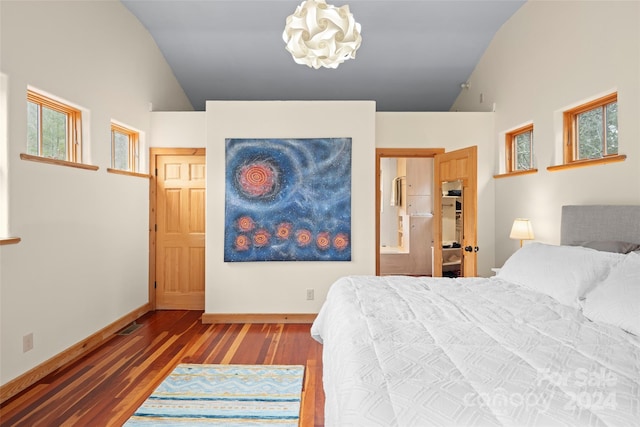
<point>106,386</point>
<point>236,343</point>
<point>274,342</point>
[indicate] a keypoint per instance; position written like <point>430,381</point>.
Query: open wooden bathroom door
<point>455,244</point>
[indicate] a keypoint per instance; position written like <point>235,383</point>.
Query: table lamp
<point>522,230</point>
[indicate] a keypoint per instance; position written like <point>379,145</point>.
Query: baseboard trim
<point>211,318</point>
<point>69,355</point>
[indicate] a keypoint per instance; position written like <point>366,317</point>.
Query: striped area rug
<point>229,395</point>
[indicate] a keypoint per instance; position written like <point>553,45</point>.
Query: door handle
<point>468,249</point>
<point>476,249</point>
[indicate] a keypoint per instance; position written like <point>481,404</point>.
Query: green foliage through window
<point>591,130</point>
<point>598,132</point>
<point>519,149</point>
<point>51,127</point>
<point>124,148</point>
<point>523,151</point>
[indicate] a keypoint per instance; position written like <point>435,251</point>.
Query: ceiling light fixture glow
<point>321,35</point>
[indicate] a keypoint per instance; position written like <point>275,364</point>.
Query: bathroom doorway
<point>404,211</point>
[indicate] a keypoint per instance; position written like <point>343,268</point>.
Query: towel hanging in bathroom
<point>396,191</point>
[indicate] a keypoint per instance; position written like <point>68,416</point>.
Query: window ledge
<point>9,240</point>
<point>47,160</point>
<point>516,173</point>
<point>591,162</point>
<point>128,173</point>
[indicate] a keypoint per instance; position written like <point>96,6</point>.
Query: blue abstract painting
<point>287,199</point>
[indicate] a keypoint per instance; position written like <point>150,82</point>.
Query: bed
<point>552,339</point>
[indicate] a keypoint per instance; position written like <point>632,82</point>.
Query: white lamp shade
<point>522,229</point>
<point>321,35</point>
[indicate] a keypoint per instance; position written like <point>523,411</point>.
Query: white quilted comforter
<point>403,351</point>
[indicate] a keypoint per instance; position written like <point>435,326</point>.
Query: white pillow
<point>565,273</point>
<point>617,300</point>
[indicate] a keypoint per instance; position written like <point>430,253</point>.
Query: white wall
<point>83,259</point>
<point>551,55</point>
<point>451,131</point>
<point>178,129</point>
<point>280,287</point>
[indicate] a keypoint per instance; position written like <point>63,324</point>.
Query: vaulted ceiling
<point>414,55</point>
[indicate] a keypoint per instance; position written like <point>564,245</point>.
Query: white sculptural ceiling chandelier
<point>321,35</point>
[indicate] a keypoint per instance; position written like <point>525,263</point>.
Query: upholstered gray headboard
<point>600,222</point>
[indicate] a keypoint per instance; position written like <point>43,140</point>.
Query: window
<point>124,148</point>
<point>53,128</point>
<point>591,130</point>
<point>519,149</point>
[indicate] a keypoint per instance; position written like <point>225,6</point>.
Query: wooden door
<point>460,165</point>
<point>180,231</point>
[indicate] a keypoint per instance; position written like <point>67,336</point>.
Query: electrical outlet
<point>310,295</point>
<point>27,342</point>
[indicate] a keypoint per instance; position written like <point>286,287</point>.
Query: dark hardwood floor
<point>105,387</point>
